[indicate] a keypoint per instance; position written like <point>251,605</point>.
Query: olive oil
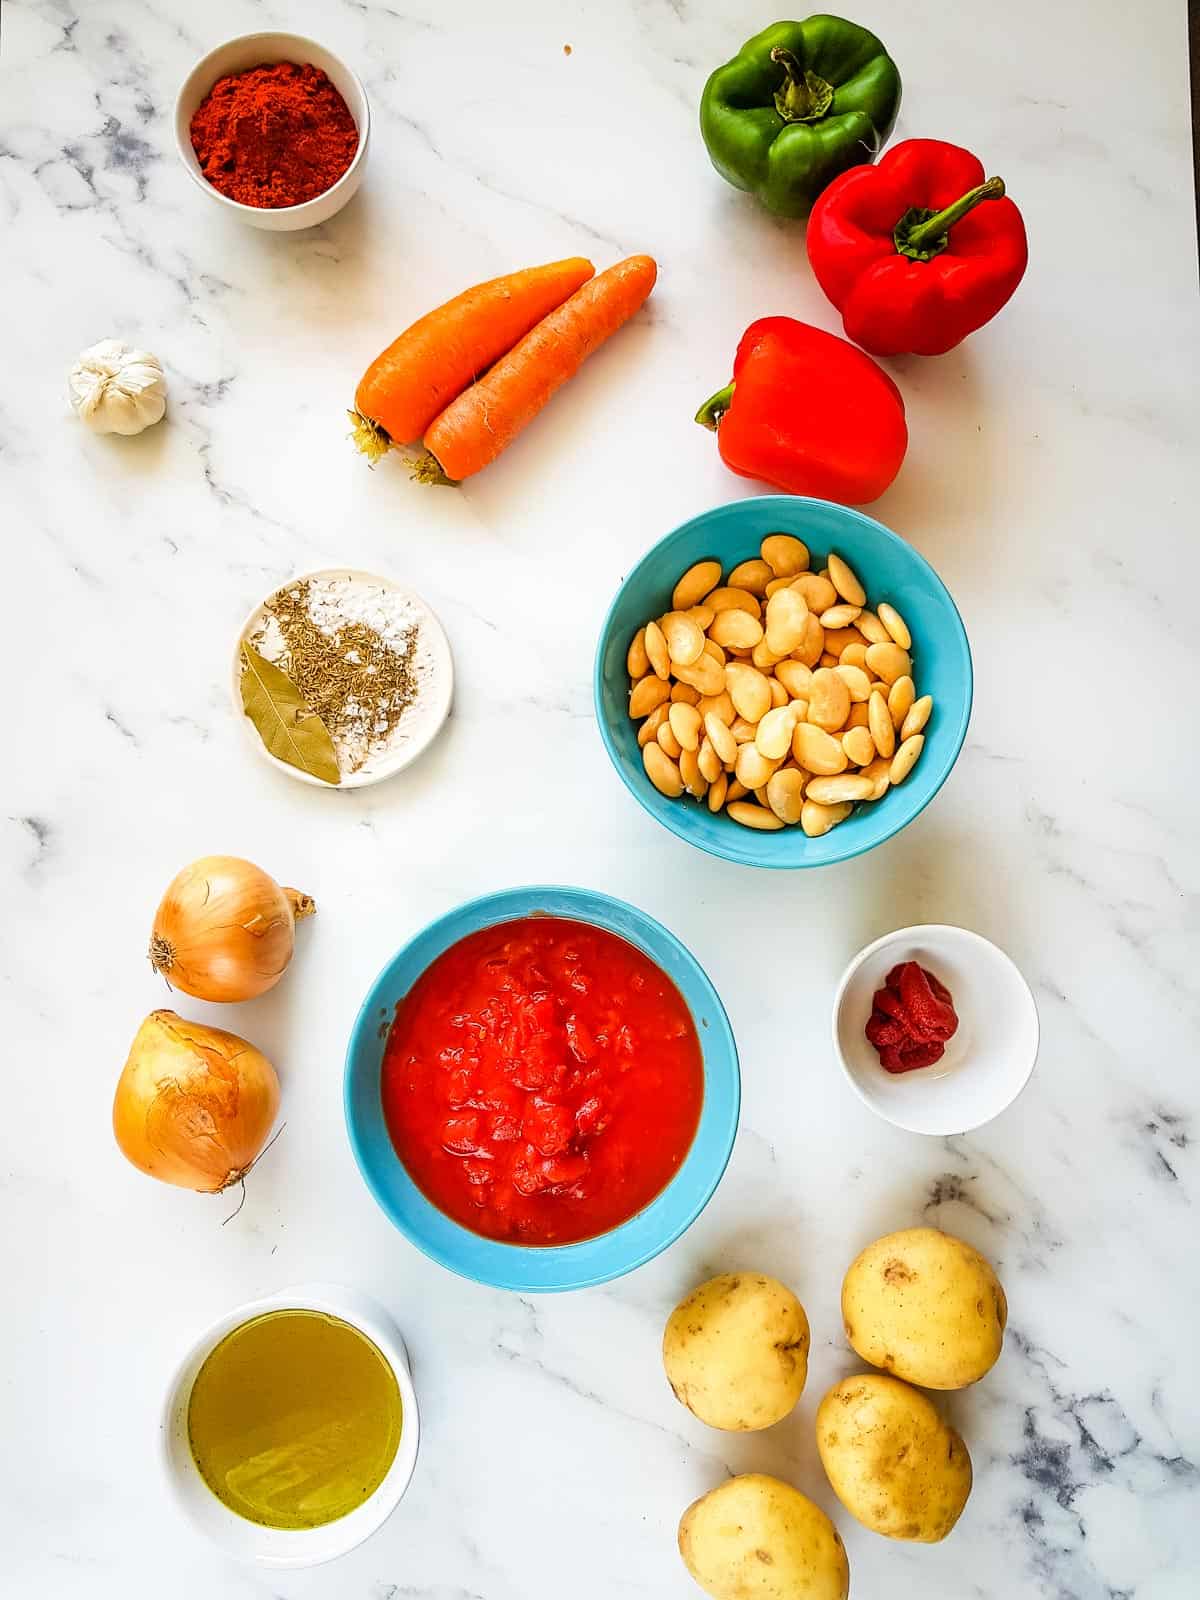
<point>294,1419</point>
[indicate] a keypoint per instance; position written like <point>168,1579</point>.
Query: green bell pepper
<point>799,104</point>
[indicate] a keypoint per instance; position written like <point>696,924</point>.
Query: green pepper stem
<point>929,236</point>
<point>715,407</point>
<point>802,96</point>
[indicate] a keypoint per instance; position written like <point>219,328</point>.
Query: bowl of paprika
<point>274,129</point>
<point>891,572</point>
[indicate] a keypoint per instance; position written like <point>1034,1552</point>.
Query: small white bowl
<point>432,708</point>
<point>265,49</point>
<point>304,1547</point>
<point>988,1061</point>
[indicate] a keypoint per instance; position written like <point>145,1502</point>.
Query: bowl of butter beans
<point>783,682</point>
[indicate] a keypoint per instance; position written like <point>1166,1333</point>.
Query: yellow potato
<point>925,1306</point>
<point>757,1538</point>
<point>892,1461</point>
<point>736,1351</point>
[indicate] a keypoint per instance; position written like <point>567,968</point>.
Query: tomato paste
<point>542,1082</point>
<point>912,1019</point>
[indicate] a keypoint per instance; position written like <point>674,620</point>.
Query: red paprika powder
<point>274,136</point>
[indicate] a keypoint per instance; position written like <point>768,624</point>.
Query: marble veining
<point>1052,478</point>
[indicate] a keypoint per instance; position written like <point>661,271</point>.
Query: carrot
<point>432,362</point>
<point>475,428</point>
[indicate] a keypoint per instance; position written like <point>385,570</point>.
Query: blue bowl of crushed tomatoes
<point>542,1089</point>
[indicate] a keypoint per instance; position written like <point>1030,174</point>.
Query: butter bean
<point>858,715</point>
<point>872,630</point>
<point>735,791</point>
<point>720,737</point>
<point>701,615</point>
<point>828,700</point>
<point>879,721</point>
<point>667,740</point>
<point>880,773</point>
<point>918,716</point>
<point>896,626</point>
<point>734,599</point>
<point>753,768</point>
<point>743,731</point>
<point>785,555</point>
<point>845,582</point>
<point>817,819</point>
<point>736,630</point>
<point>649,728</point>
<point>841,616</point>
<point>684,693</point>
<point>753,816</point>
<point>696,582</point>
<point>859,746</point>
<point>855,680</point>
<point>763,657</point>
<point>684,639</point>
<point>817,751</point>
<point>773,735</point>
<point>900,698</point>
<point>889,661</point>
<point>850,786</point>
<point>749,691</point>
<point>662,771</point>
<point>656,649</point>
<point>779,695</point>
<point>717,791</point>
<point>685,725</point>
<point>795,677</point>
<point>694,780</point>
<point>706,675</point>
<point>637,662</point>
<point>811,647</point>
<point>647,693</point>
<point>854,655</point>
<point>709,761</point>
<point>787,621</point>
<point>753,575</point>
<point>785,794</point>
<point>713,649</point>
<point>818,592</point>
<point>719,705</point>
<point>905,758</point>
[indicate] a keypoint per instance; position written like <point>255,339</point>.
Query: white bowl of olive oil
<point>290,1427</point>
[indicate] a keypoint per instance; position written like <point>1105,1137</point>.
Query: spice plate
<point>432,675</point>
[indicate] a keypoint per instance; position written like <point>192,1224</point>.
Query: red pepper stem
<point>931,234</point>
<point>715,407</point>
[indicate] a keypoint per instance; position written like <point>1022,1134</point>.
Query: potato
<point>757,1538</point>
<point>925,1306</point>
<point>736,1351</point>
<point>892,1461</point>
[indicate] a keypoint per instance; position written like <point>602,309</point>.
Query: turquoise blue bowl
<point>572,1266</point>
<point>890,570</point>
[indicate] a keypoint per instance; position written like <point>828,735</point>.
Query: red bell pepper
<point>918,250</point>
<point>808,413</point>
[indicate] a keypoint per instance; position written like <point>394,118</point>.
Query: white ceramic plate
<point>282,1547</point>
<point>988,1061</point>
<point>428,712</point>
<point>265,49</point>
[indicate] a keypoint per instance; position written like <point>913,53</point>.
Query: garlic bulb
<point>116,389</point>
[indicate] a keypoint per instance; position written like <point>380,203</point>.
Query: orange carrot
<point>475,428</point>
<point>432,362</point>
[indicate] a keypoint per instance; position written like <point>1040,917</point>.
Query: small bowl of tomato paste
<point>542,1089</point>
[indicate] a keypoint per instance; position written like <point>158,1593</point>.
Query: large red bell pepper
<point>918,250</point>
<point>808,413</point>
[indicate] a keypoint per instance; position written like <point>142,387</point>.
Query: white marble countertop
<point>1052,480</point>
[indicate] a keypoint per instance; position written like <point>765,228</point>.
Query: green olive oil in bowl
<point>294,1419</point>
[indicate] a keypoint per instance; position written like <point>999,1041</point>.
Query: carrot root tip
<point>428,469</point>
<point>372,440</point>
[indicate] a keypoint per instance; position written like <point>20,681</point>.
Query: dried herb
<point>283,719</point>
<point>358,683</point>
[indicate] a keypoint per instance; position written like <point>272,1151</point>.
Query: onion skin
<point>225,930</point>
<point>194,1105</point>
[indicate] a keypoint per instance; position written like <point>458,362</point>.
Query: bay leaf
<point>283,721</point>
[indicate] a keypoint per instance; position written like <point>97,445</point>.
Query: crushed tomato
<point>542,1081</point>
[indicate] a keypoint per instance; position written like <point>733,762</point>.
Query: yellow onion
<point>194,1105</point>
<point>225,929</point>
